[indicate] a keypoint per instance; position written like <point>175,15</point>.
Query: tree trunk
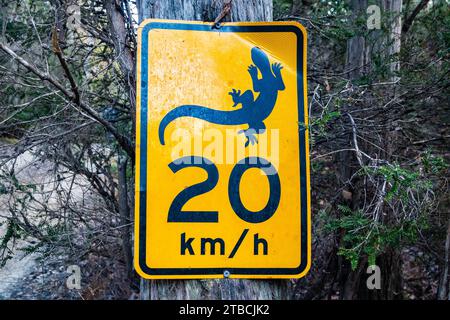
<point>444,283</point>
<point>390,261</point>
<point>360,50</point>
<point>124,211</point>
<point>356,64</point>
<point>394,9</point>
<point>225,289</point>
<point>357,54</point>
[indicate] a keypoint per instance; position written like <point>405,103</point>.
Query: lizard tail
<point>234,117</point>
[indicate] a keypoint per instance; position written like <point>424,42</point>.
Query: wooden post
<point>225,289</point>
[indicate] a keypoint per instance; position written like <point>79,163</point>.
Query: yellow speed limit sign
<point>222,163</point>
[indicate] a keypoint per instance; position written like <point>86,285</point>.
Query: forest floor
<point>26,275</point>
<point>14,273</point>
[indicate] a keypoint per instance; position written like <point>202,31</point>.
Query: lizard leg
<point>250,134</point>
<point>254,129</point>
<point>245,99</point>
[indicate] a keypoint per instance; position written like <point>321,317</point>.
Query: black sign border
<point>140,262</point>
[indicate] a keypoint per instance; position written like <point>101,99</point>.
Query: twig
<point>225,11</point>
<point>355,140</point>
<point>57,50</point>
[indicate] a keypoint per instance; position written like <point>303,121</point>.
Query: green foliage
<point>319,127</point>
<point>366,236</point>
<point>316,166</point>
<point>321,123</point>
<point>433,164</point>
<point>3,189</point>
<point>12,233</point>
<point>281,7</point>
<point>427,48</point>
<point>401,180</point>
<point>52,233</point>
<point>370,235</point>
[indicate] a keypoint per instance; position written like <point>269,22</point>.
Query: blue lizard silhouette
<point>253,111</point>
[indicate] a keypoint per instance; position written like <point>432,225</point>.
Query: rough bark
<point>390,261</point>
<point>205,10</point>
<point>60,18</point>
<point>393,8</point>
<point>358,62</point>
<point>357,58</point>
<point>123,51</point>
<point>208,10</point>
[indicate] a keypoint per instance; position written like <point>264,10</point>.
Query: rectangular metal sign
<point>222,162</point>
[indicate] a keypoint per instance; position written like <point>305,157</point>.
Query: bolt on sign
<point>222,163</point>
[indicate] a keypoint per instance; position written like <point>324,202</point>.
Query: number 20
<point>176,214</point>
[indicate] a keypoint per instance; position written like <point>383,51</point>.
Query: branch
<point>355,141</point>
<point>408,21</point>
<point>123,141</point>
<point>57,50</point>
